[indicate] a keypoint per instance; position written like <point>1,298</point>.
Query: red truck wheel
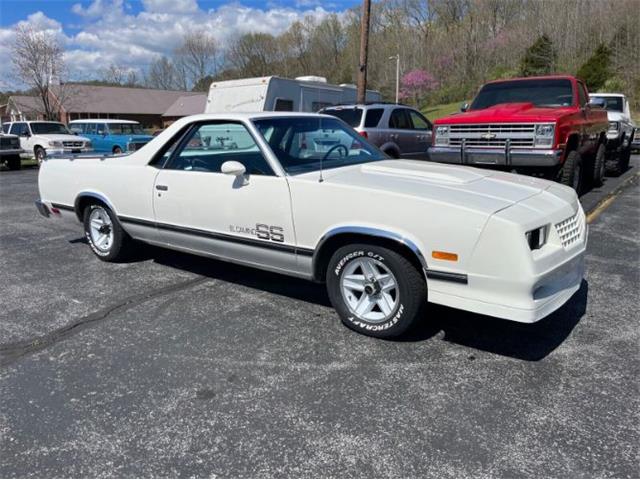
<point>571,171</point>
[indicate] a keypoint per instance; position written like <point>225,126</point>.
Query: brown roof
<point>187,105</point>
<point>99,99</point>
<point>26,103</point>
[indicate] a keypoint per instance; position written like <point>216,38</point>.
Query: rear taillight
<point>364,134</point>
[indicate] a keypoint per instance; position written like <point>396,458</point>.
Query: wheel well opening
<point>572,143</point>
<point>332,244</point>
<point>83,202</point>
<point>116,147</point>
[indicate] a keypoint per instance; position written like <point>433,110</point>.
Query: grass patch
<point>438,111</point>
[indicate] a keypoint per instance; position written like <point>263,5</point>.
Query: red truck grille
<point>520,135</point>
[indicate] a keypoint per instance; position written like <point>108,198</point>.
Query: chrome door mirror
<point>464,107</point>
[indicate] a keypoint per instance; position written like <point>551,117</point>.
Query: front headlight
<point>544,135</point>
<point>614,126</point>
<point>55,143</point>
<point>442,135</point>
<point>537,238</point>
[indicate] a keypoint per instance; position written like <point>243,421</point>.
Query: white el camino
<point>305,195</point>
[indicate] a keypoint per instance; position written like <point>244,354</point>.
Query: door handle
<point>164,188</point>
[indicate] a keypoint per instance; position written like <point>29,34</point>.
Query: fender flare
<point>91,194</point>
<point>370,232</point>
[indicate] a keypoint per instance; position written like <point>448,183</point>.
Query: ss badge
<point>269,232</point>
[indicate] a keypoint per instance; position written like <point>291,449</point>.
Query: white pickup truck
<point>621,130</point>
<point>40,138</point>
<point>305,195</point>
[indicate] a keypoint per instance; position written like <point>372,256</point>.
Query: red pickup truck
<point>538,125</point>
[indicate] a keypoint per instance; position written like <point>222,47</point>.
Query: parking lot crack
<point>10,352</point>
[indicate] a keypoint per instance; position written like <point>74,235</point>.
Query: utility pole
<point>364,51</point>
<point>397,59</point>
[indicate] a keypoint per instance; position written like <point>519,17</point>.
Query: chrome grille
<point>72,144</point>
<point>495,135</point>
<point>570,230</point>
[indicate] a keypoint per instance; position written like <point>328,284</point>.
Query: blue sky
<point>133,33</point>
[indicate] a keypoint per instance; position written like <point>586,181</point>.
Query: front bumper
<point>493,156</point>
<point>11,152</point>
<point>43,209</point>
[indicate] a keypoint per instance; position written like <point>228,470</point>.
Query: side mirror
<point>597,103</point>
<point>233,168</point>
<point>237,170</point>
<point>464,107</point>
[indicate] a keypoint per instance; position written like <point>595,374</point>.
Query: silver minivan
<point>397,130</point>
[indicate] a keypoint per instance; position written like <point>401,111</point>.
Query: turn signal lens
<point>452,257</point>
<point>364,134</point>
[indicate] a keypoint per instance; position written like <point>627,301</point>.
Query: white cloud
<point>171,6</point>
<point>110,34</point>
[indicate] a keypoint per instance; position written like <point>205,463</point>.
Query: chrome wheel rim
<point>101,229</point>
<point>370,290</point>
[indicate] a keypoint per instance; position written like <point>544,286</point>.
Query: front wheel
<point>375,291</point>
<point>597,175</point>
<point>108,241</point>
<point>571,172</point>
<point>40,154</point>
<point>117,150</point>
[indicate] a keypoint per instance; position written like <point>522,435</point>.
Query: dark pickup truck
<point>540,125</point>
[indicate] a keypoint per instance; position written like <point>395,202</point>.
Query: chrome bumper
<point>11,152</point>
<point>494,156</point>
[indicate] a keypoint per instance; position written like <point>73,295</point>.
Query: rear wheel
<point>14,163</point>
<point>375,291</point>
<point>571,172</point>
<point>117,150</point>
<point>597,175</point>
<point>108,241</point>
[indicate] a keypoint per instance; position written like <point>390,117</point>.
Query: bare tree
<point>197,56</point>
<point>37,59</point>
<point>163,74</point>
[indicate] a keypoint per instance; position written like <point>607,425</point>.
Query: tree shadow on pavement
<point>531,342</point>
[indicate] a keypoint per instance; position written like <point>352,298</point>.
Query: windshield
<point>125,129</point>
<point>44,128</point>
<point>542,93</point>
<point>302,143</point>
<point>612,104</point>
<point>350,116</point>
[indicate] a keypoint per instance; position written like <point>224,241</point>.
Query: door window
<point>582,95</point>
<point>418,121</point>
<point>207,146</point>
<point>102,129</point>
<point>399,119</point>
<point>283,105</point>
<point>90,129</point>
<point>19,129</point>
<point>373,117</point>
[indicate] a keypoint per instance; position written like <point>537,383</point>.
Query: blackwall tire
<point>597,175</point>
<point>40,155</point>
<point>375,290</point>
<point>108,241</point>
<point>571,171</point>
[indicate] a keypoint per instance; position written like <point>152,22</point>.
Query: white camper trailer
<point>303,94</point>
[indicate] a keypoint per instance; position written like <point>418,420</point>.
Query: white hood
<point>62,137</point>
<point>487,191</point>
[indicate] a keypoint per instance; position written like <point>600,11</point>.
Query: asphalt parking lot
<point>180,366</point>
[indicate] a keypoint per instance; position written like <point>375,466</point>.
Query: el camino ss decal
<point>261,231</point>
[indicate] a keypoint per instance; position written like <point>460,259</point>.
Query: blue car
<point>111,136</point>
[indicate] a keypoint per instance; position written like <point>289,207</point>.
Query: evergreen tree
<point>540,58</point>
<point>597,69</point>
